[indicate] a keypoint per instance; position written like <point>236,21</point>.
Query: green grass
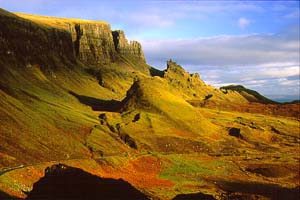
<point>183,167</point>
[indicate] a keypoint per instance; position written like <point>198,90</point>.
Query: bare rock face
<point>38,39</point>
<point>93,43</point>
<point>29,43</point>
<point>123,47</point>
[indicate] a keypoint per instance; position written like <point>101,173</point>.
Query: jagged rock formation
<point>123,47</point>
<point>179,78</point>
<point>192,88</point>
<point>93,43</point>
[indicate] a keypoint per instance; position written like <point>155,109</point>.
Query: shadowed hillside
<point>64,182</point>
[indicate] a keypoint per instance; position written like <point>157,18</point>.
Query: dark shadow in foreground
<point>98,104</point>
<point>246,191</point>
<point>64,182</point>
<point>194,196</point>
<point>272,191</point>
<point>4,196</point>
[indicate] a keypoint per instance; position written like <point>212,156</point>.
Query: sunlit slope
<point>56,22</point>
<point>250,95</point>
<point>166,133</point>
<point>42,118</point>
<point>191,87</point>
<point>163,117</point>
<point>48,95</point>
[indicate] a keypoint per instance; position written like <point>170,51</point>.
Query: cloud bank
<point>259,61</point>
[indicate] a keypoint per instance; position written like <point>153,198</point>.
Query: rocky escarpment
<point>97,43</point>
<point>26,42</point>
<point>36,38</point>
<point>123,47</point>
<point>93,43</point>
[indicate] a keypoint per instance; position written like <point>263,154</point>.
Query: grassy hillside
<point>124,119</point>
<point>56,21</point>
<point>250,95</point>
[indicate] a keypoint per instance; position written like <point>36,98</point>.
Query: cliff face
<point>39,37</point>
<point>28,42</point>
<point>93,43</point>
<point>123,47</point>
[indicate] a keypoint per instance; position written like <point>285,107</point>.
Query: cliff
<point>91,42</point>
<point>27,42</point>
<point>123,47</point>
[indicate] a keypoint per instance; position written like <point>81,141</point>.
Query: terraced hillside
<point>78,93</point>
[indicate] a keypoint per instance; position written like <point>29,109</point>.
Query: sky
<point>252,43</point>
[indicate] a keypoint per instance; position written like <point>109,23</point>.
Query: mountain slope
<point>41,81</point>
<point>76,92</point>
<point>191,87</point>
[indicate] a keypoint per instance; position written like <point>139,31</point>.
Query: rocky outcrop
<point>93,43</point>
<point>37,38</point>
<point>135,98</point>
<point>176,75</point>
<point>192,88</point>
<point>28,43</point>
<point>123,47</point>
<point>235,132</point>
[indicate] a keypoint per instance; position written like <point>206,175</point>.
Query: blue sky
<point>254,43</point>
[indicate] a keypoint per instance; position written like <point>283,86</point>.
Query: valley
<point>77,100</point>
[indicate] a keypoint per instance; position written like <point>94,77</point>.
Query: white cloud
<point>261,62</point>
<point>286,82</point>
<point>224,51</point>
<point>280,72</point>
<point>243,22</point>
<point>276,64</point>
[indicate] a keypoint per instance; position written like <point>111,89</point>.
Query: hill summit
<point>250,95</point>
